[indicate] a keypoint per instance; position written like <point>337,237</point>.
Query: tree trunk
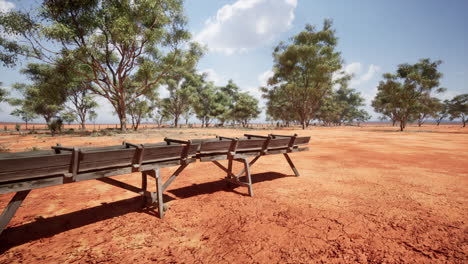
<point>393,122</point>
<point>176,121</point>
<point>303,124</point>
<point>402,125</point>
<point>123,123</point>
<point>83,125</point>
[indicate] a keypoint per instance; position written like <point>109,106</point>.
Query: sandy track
<point>365,195</point>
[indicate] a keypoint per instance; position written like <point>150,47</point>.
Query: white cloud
<point>264,76</point>
<point>6,6</point>
<point>247,24</point>
<point>356,70</point>
<point>214,77</point>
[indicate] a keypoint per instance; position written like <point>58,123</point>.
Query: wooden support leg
<point>229,173</point>
<point>250,164</point>
<point>11,208</point>
<point>247,175</point>
<point>291,164</point>
<point>172,178</point>
<point>159,191</point>
<point>144,186</point>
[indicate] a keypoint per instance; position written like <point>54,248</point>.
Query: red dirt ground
<point>365,195</point>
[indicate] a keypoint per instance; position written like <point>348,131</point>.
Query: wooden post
<point>144,186</point>
<point>11,208</point>
<point>291,164</point>
<point>247,175</point>
<point>159,190</point>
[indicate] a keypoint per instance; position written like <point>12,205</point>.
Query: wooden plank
<point>215,147</point>
<point>162,152</point>
<point>278,143</point>
<point>49,160</point>
<point>301,141</point>
<point>90,160</point>
<point>11,208</point>
<point>250,145</point>
<point>32,174</point>
<point>30,184</point>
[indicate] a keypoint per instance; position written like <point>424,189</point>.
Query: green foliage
<point>458,108</point>
<point>140,109</point>
<point>47,93</point>
<point>55,126</point>
<point>68,117</point>
<point>81,101</point>
<point>125,48</point>
<point>245,109</point>
<point>442,111</point>
<point>3,93</point>
<point>209,102</point>
<point>406,95</point>
<point>342,106</point>
<point>180,94</point>
<point>18,127</point>
<point>25,114</point>
<point>303,71</point>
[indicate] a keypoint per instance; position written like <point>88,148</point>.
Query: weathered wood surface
<point>11,208</point>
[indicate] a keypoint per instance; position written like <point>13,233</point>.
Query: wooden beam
<point>248,176</point>
<point>173,176</point>
<point>291,164</point>
<point>11,208</point>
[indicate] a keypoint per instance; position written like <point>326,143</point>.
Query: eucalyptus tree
<point>68,117</point>
<point>25,113</point>
<point>159,115</point>
<point>278,107</point>
<point>209,102</point>
<point>3,93</point>
<point>47,93</point>
<point>228,95</point>
<point>406,93</point>
<point>349,102</point>
<point>458,108</point>
<point>111,42</point>
<point>139,110</point>
<point>180,96</point>
<point>304,69</point>
<point>442,112</point>
<point>429,107</point>
<point>245,109</point>
<point>82,103</point>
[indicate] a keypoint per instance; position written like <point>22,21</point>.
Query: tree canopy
<point>303,71</point>
<point>406,95</point>
<point>113,44</point>
<point>458,108</point>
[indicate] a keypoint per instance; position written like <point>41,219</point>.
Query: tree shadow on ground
<point>48,227</point>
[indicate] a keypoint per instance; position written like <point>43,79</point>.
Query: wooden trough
<point>22,172</point>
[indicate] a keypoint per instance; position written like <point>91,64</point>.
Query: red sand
<point>365,195</point>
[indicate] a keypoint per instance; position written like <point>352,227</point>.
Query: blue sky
<point>374,37</point>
